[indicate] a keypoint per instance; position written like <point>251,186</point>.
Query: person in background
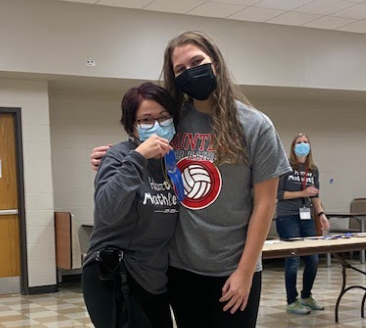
<point>231,159</point>
<point>298,202</point>
<point>134,219</point>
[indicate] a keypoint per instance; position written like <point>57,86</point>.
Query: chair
<point>344,225</point>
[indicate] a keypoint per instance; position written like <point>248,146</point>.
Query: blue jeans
<point>289,227</point>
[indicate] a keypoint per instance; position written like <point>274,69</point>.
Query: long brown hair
<point>309,163</point>
<point>228,142</point>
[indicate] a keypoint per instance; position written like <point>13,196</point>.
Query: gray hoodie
<point>136,210</point>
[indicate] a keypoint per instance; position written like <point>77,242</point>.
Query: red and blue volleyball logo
<point>202,182</point>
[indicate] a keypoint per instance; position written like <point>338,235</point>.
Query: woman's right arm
<point>120,176</point>
<point>151,147</point>
<point>284,194</point>
<point>117,182</point>
<point>294,194</point>
<point>97,154</point>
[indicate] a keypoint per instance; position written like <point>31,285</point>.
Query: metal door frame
<point>17,113</point>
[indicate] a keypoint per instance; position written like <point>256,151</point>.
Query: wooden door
<point>9,218</point>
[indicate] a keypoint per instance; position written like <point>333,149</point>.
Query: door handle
<point>9,212</point>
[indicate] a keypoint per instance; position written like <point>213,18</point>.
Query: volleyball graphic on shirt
<point>202,182</point>
<point>197,181</point>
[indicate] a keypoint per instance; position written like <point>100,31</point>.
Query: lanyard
<point>304,181</point>
<point>174,175</point>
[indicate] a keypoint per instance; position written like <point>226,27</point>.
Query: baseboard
<point>42,289</point>
<point>71,278</point>
<point>71,272</point>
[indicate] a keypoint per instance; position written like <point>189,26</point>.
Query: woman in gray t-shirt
<point>298,202</point>
<point>231,159</point>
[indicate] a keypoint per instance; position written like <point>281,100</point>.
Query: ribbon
<point>174,175</point>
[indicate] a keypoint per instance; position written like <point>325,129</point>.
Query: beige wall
<point>54,37</point>
<point>32,98</point>
<point>80,121</point>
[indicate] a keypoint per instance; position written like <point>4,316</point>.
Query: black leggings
<point>147,310</point>
<point>195,301</point>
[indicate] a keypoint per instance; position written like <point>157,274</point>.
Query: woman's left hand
<point>324,222</point>
<point>236,291</point>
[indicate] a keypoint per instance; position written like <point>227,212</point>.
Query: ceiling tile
<point>125,3</point>
<point>357,11</point>
<point>174,6</point>
<point>324,7</point>
<point>329,22</point>
<point>216,9</point>
<point>293,18</point>
<point>238,2</point>
<point>340,15</point>
<point>82,1</point>
<point>256,14</point>
<point>357,27</point>
<point>282,4</point>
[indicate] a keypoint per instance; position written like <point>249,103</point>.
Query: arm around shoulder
<point>118,179</point>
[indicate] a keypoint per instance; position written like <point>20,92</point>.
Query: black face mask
<point>197,82</point>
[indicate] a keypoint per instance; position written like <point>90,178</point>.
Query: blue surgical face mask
<point>302,149</point>
<point>166,132</point>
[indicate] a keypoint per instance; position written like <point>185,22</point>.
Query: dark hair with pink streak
<point>135,96</point>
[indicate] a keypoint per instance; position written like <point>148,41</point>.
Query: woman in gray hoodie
<point>136,209</point>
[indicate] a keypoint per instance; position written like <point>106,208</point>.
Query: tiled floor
<point>66,308</point>
<point>326,290</point>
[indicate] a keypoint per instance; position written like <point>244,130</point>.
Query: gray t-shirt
<point>136,210</point>
<point>213,219</point>
<point>296,180</point>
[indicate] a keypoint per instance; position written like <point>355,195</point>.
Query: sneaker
<point>311,303</point>
<point>297,308</point>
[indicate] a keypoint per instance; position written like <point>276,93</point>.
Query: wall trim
<point>42,289</point>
